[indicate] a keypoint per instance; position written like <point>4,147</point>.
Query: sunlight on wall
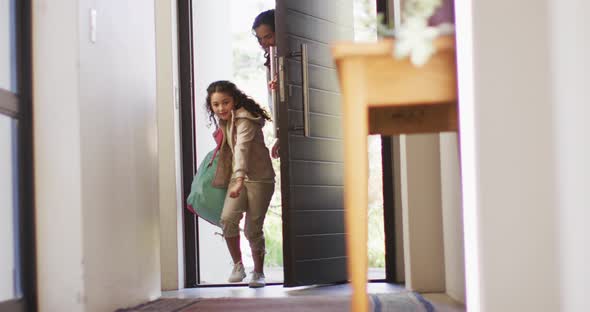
<point>464,35</point>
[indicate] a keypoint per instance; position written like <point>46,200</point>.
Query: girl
<point>245,168</point>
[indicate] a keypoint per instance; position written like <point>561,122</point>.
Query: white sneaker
<point>238,273</point>
<point>257,280</point>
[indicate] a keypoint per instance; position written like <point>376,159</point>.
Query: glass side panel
<point>9,260</point>
<point>8,73</point>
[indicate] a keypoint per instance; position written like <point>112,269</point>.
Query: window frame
<point>18,106</point>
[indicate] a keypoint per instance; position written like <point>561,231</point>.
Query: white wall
<point>570,36</point>
<point>95,155</point>
<point>509,160</point>
<point>428,184</point>
<point>58,193</point>
<point>119,154</point>
<point>400,268</point>
<point>422,212</point>
<point>452,217</point>
<point>171,203</point>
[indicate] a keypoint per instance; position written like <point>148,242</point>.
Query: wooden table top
<point>389,81</point>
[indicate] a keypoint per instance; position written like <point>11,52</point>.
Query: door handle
<point>304,87</point>
<point>273,92</point>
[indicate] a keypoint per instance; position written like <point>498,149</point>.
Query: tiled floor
<point>275,274</point>
<point>442,302</point>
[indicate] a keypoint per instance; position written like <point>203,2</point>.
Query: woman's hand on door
<point>275,150</point>
<point>272,85</point>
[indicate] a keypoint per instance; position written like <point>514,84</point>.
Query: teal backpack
<point>205,200</point>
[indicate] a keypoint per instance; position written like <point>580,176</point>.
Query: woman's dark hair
<point>265,18</point>
<point>240,99</point>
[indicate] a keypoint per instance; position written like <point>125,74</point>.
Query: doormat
<point>391,302</point>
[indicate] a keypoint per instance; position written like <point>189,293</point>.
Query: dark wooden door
<point>312,165</point>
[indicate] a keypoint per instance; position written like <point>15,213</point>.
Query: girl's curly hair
<point>240,100</point>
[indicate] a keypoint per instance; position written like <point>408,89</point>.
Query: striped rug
<point>405,301</point>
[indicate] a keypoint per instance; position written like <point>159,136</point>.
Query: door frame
<point>20,107</point>
<point>187,137</point>
<point>384,7</point>
<point>188,151</point>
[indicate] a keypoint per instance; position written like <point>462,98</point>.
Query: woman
<point>264,30</point>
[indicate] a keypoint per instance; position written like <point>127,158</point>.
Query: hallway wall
<point>452,216</point>
<point>508,155</point>
<point>170,184</point>
<point>95,155</point>
<point>570,33</point>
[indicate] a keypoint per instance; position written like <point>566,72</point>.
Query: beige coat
<point>243,147</point>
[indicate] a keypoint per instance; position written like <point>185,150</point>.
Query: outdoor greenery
<point>365,29</point>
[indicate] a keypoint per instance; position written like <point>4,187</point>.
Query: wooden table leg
<point>355,119</point>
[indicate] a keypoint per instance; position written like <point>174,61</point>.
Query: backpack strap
<point>218,136</point>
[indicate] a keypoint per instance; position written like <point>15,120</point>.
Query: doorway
<point>229,51</point>
<point>211,259</point>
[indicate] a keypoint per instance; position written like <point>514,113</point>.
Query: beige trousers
<point>253,200</point>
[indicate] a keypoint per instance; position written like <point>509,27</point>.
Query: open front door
<point>311,139</point>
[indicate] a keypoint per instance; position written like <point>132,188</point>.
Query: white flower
<point>415,38</point>
<point>421,8</point>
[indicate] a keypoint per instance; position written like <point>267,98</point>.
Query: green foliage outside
<point>273,225</point>
<point>273,233</point>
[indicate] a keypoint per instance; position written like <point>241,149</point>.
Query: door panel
<point>315,29</point>
<point>316,173</point>
<point>316,149</point>
<point>309,223</point>
<point>330,101</point>
<point>311,167</point>
<point>326,10</point>
<point>322,78</point>
<point>316,198</point>
<point>319,53</point>
<point>319,271</point>
<point>319,246</point>
<point>322,126</point>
